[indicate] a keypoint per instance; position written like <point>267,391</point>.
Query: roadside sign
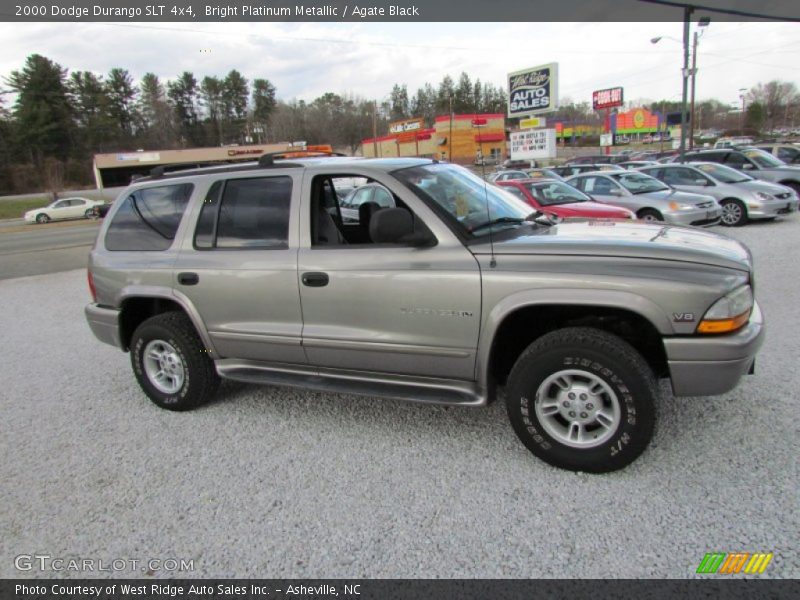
<point>606,139</point>
<point>532,122</point>
<point>609,98</point>
<point>533,91</point>
<point>533,143</point>
<point>405,126</point>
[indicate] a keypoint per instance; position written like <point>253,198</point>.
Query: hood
<point>587,209</point>
<point>764,186</point>
<point>679,196</point>
<point>629,239</point>
<point>781,170</point>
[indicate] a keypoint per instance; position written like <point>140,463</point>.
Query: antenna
<point>477,123</point>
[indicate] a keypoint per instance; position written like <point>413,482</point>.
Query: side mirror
<point>396,226</point>
<point>748,166</point>
<point>700,182</point>
<point>615,192</point>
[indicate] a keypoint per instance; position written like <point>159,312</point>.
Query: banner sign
<point>533,91</point>
<point>609,98</point>
<point>533,143</point>
<point>606,139</point>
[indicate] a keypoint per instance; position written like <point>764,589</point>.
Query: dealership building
<point>460,138</point>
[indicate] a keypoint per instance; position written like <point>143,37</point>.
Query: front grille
<point>705,205</point>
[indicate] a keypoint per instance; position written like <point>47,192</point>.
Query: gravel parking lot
<point>278,482</point>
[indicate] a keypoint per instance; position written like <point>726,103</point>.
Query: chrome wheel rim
<point>650,218</point>
<point>731,213</point>
<point>163,367</point>
<point>577,408</point>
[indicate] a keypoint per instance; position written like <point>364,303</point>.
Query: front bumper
<point>701,217</point>
<point>104,323</point>
<point>711,365</point>
<point>772,209</point>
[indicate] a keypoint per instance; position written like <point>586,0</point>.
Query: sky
<point>304,60</point>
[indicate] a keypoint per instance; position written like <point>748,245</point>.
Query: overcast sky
<point>304,60</point>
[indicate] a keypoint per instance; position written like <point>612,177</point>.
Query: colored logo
<point>638,119</point>
<point>730,563</point>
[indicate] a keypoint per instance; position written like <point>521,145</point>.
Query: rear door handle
<point>188,278</point>
<point>315,279</point>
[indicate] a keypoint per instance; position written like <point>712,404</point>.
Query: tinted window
<point>148,219</point>
<point>76,202</point>
<point>251,213</point>
<point>788,154</point>
<point>735,160</point>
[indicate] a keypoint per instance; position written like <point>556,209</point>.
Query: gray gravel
<point>278,482</point>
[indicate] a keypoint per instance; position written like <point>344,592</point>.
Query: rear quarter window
<point>148,218</point>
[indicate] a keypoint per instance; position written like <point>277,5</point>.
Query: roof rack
<point>268,159</point>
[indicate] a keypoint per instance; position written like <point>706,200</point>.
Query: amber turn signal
<point>723,325</point>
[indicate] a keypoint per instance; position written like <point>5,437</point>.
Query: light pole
<point>702,23</point>
<point>374,129</point>
<point>741,118</point>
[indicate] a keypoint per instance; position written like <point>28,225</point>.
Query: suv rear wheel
<point>582,399</point>
<point>171,364</point>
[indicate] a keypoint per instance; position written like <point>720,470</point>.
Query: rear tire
<point>582,399</point>
<point>650,215</point>
<point>734,213</point>
<point>171,364</point>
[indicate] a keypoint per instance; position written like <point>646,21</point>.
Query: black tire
<point>650,215</point>
<point>794,185</point>
<point>200,379</point>
<point>89,213</point>
<point>601,356</point>
<point>734,212</point>
<point>42,218</point>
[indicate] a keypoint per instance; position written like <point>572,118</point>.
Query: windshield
<point>639,183</point>
<point>548,194</point>
<point>764,159</point>
<point>723,174</point>
<point>465,197</point>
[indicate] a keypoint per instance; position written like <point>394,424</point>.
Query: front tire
<point>171,364</point>
<point>734,214</point>
<point>649,215</point>
<point>582,399</point>
<point>42,218</point>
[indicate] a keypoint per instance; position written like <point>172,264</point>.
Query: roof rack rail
<point>268,159</point>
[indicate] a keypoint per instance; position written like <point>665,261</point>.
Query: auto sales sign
<point>533,91</point>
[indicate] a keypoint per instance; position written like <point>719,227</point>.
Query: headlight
<point>764,196</point>
<point>729,313</point>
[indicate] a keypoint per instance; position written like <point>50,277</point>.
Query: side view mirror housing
<point>396,226</point>
<point>748,167</point>
<point>615,192</point>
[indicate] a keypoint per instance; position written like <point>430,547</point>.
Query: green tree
<point>122,103</point>
<point>444,93</point>
<point>91,109</point>
<point>398,102</point>
<point>155,113</point>
<point>463,101</point>
<point>42,112</point>
<point>235,96</point>
<point>264,104</point>
<point>424,104</point>
<point>212,99</point>
<point>182,94</point>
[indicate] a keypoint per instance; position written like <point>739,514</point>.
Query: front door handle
<point>315,279</point>
<point>188,278</point>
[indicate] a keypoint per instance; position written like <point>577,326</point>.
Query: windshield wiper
<point>498,221</point>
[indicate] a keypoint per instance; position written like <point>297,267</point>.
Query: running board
<point>402,387</point>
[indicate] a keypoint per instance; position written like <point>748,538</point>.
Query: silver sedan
<point>649,198</point>
<point>742,197</point>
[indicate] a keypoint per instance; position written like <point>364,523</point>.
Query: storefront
<point>462,139</point>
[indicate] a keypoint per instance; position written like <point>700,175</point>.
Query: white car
<point>65,208</point>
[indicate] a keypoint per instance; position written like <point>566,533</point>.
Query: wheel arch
<point>521,318</point>
<point>138,303</point>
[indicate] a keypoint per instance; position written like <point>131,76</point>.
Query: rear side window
<point>246,214</point>
<point>148,219</point>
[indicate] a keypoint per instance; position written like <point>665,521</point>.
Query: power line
<point>725,11</point>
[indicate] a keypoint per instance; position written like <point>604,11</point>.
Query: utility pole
<point>374,129</point>
<point>450,137</point>
<point>702,23</point>
<point>741,117</point>
<point>663,129</point>
<point>687,16</point>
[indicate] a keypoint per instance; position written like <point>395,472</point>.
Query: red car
<point>562,200</point>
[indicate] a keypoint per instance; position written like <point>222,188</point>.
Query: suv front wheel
<point>171,364</point>
<point>582,399</point>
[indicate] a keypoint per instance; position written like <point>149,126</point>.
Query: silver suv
<point>452,292</point>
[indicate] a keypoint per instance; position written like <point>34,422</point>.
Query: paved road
<point>270,481</point>
<point>47,248</point>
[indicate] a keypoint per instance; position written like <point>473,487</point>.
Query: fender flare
<point>645,308</point>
